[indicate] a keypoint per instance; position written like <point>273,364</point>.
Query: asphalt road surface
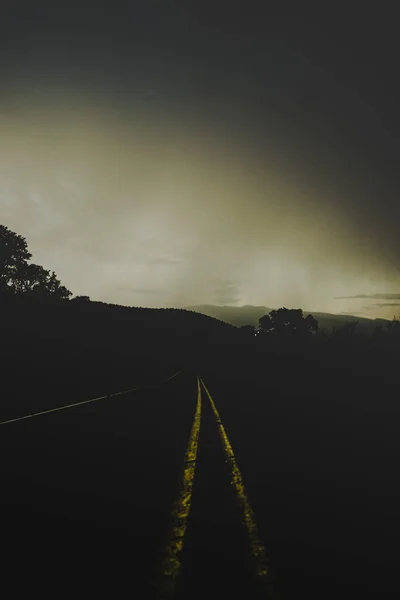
<point>87,493</point>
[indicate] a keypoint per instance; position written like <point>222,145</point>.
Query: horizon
<point>199,307</point>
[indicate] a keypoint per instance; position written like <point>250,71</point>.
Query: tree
<point>35,282</point>
<point>21,279</point>
<point>285,321</point>
<point>347,331</point>
<point>13,256</point>
<point>393,327</point>
<point>311,324</point>
<point>265,324</point>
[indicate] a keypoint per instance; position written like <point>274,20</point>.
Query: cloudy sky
<point>159,153</point>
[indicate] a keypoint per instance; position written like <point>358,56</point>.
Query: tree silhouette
<point>393,327</point>
<point>286,321</point>
<point>13,256</point>
<point>265,324</point>
<point>21,279</point>
<point>346,331</point>
<point>33,281</point>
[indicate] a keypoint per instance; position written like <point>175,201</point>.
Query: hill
<point>81,349</point>
<point>249,315</point>
<point>305,416</point>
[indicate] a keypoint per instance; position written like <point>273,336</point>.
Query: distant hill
<point>249,315</point>
<point>235,315</point>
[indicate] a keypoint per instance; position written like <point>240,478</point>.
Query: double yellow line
<point>171,565</point>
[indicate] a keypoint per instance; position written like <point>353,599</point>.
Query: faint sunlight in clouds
<point>147,210</point>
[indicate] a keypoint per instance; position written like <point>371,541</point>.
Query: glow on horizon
<point>158,214</point>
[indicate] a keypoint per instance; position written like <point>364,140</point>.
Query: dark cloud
<point>384,304</point>
<point>373,296</point>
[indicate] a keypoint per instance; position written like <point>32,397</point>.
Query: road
<point>88,494</point>
<point>217,558</point>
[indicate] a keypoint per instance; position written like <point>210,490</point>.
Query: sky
<point>166,153</point>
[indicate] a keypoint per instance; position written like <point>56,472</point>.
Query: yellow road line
<point>171,564</point>
<point>52,410</point>
<point>257,547</point>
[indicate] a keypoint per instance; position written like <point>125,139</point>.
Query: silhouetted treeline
<point>307,410</point>
<point>197,342</point>
<point>21,279</point>
<point>40,323</point>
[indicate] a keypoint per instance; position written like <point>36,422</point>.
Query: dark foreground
<point>87,493</point>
